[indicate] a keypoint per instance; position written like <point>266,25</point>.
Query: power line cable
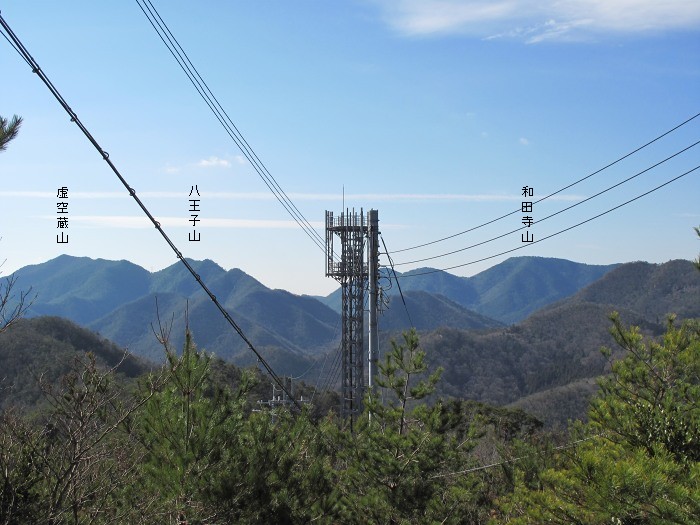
<point>398,284</point>
<point>243,145</point>
<point>325,381</point>
<point>203,89</point>
<point>16,49</point>
<point>571,444</point>
<point>525,245</point>
<point>19,47</point>
<point>225,120</point>
<point>556,192</point>
<point>320,377</point>
<point>334,376</point>
<point>556,213</point>
<point>334,372</point>
<point>313,364</point>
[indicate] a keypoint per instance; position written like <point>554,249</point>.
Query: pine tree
<point>11,309</point>
<point>187,430</point>
<point>394,465</point>
<point>8,130</point>
<point>640,463</point>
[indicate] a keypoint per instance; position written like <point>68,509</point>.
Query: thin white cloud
<point>71,194</point>
<point>214,162</point>
<point>141,222</point>
<point>537,20</point>
<point>524,141</point>
<point>29,194</point>
<point>444,197</point>
<point>211,162</point>
<point>267,196</point>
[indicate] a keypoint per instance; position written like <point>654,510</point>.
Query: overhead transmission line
<point>555,213</point>
<point>565,446</point>
<point>27,57</point>
<point>525,245</point>
<point>224,119</point>
<point>398,284</point>
<point>659,137</point>
<point>333,372</point>
<point>320,375</point>
<point>321,380</point>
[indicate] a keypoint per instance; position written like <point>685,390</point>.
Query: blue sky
<point>434,112</point>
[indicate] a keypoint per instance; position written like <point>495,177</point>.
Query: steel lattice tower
<point>351,272</point>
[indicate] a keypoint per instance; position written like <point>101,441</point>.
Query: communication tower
<point>353,271</point>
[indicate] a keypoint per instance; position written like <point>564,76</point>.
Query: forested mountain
<point>507,292</point>
<point>519,286</point>
<point>555,350</point>
<point>547,362</point>
<point>48,347</point>
<point>80,288</point>
<point>549,350</point>
<point>118,300</point>
<point>188,446</point>
<point>425,311</point>
<point>652,290</point>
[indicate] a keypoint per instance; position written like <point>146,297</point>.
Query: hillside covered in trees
<point>546,363</point>
<point>183,444</point>
<point>91,434</point>
<point>120,300</point>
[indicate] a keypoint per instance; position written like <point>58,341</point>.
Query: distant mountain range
<point>507,292</point>
<point>524,332</point>
<point>123,301</point>
<point>118,300</point>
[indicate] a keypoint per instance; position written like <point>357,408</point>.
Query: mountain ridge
<point>507,292</point>
<point>554,350</point>
<point>123,302</point>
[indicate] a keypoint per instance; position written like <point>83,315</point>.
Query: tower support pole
<point>373,276</point>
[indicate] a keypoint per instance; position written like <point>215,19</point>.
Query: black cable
<point>334,373</point>
<point>391,263</point>
<point>525,245</point>
<point>555,213</point>
<point>318,379</point>
<point>328,381</point>
<point>337,371</point>
<point>240,141</point>
<point>556,192</point>
<point>221,116</point>
<point>323,381</point>
<point>568,445</point>
<point>15,48</point>
<point>105,156</point>
<point>225,120</point>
